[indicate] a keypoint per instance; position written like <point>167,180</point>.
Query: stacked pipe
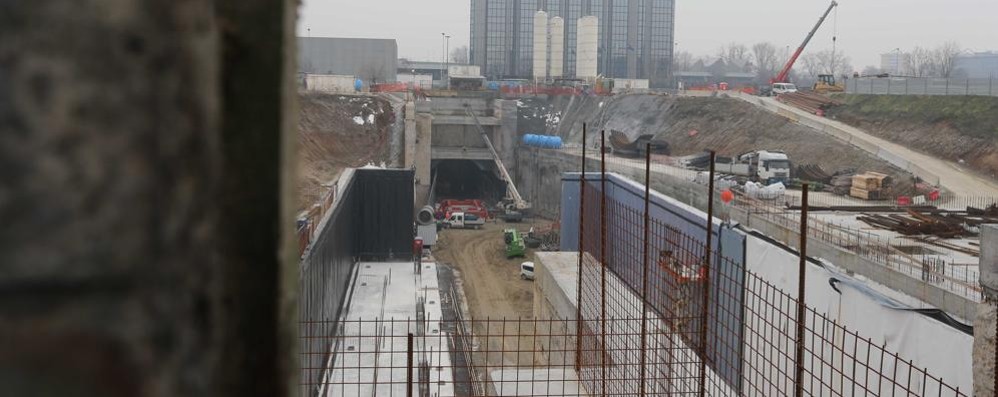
<point>542,141</point>
<point>808,101</point>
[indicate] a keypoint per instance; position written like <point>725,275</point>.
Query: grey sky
<point>866,28</point>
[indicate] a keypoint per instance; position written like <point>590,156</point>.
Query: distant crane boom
<point>518,201</point>
<point>782,77</point>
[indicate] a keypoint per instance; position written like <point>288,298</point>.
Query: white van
<point>783,88</point>
<point>527,270</point>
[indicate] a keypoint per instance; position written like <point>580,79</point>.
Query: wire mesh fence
<point>905,256</point>
<point>658,312</point>
<point>916,256</point>
<point>657,316</point>
<point>922,86</point>
<point>708,325</point>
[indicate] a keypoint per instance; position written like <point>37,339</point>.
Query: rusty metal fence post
<point>408,366</point>
<point>644,272</point>
<point>705,311</point>
<point>602,254</point>
<point>582,223</point>
<point>802,267</point>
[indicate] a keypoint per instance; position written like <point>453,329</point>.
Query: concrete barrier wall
<point>331,83</point>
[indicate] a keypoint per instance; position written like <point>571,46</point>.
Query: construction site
<point>633,244</point>
<point>577,239</point>
<point>207,199</point>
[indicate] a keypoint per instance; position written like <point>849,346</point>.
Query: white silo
<point>557,47</point>
<point>540,45</point>
<point>586,50</point>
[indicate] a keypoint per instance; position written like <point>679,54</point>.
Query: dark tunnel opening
<point>467,179</point>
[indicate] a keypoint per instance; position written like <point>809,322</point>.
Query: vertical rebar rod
<point>802,267</point>
<point>644,272</point>
<point>704,311</point>
<point>582,224</point>
<point>408,366</point>
<point>602,252</point>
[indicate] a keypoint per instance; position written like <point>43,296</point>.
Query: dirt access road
<point>491,282</point>
<point>959,180</point>
<point>494,290</point>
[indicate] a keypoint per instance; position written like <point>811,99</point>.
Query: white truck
<point>461,220</point>
<point>783,88</point>
<point>762,166</point>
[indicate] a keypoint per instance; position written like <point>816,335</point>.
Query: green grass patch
<point>975,116</point>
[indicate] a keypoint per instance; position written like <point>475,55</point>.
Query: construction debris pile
<point>808,101</point>
<point>934,222</point>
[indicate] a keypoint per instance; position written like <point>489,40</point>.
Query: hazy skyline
<point>865,29</point>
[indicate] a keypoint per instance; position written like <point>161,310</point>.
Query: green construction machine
<point>514,244</point>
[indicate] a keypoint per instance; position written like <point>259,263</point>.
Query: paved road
<point>955,178</point>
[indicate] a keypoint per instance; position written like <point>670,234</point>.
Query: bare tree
<point>834,62</point>
<point>766,61</point>
<point>735,55</point>
<point>459,54</point>
<point>811,64</point>
<point>918,63</point>
<point>372,72</point>
<point>682,61</point>
<point>944,58</point>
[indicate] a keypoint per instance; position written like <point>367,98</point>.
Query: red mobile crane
<point>782,77</point>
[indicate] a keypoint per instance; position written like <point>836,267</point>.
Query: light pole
<point>897,62</point>
<point>447,59</point>
<point>443,57</point>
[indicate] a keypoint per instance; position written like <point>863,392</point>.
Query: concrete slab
<point>370,355</point>
<point>536,382</point>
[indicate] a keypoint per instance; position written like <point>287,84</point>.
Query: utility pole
<point>447,59</point>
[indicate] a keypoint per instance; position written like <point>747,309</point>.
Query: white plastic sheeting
<point>757,190</point>
<point>927,342</point>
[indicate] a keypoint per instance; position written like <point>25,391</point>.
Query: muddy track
<point>493,290</point>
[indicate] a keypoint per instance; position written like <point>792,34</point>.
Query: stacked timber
<point>869,185</point>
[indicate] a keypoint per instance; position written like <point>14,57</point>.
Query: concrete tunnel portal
<point>467,179</point>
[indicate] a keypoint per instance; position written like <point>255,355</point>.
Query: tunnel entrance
<point>467,179</point>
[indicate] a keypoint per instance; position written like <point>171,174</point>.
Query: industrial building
<point>634,39</point>
<point>980,65</point>
<point>371,60</point>
<point>893,62</point>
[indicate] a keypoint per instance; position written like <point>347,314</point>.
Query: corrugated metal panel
<point>372,60</point>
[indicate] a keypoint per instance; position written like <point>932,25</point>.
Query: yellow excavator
<point>826,84</point>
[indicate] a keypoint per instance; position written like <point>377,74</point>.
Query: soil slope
<point>336,132</point>
<point>955,128</point>
<point>729,126</point>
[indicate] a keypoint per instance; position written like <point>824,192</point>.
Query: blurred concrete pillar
<point>144,178</point>
<point>987,315</point>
